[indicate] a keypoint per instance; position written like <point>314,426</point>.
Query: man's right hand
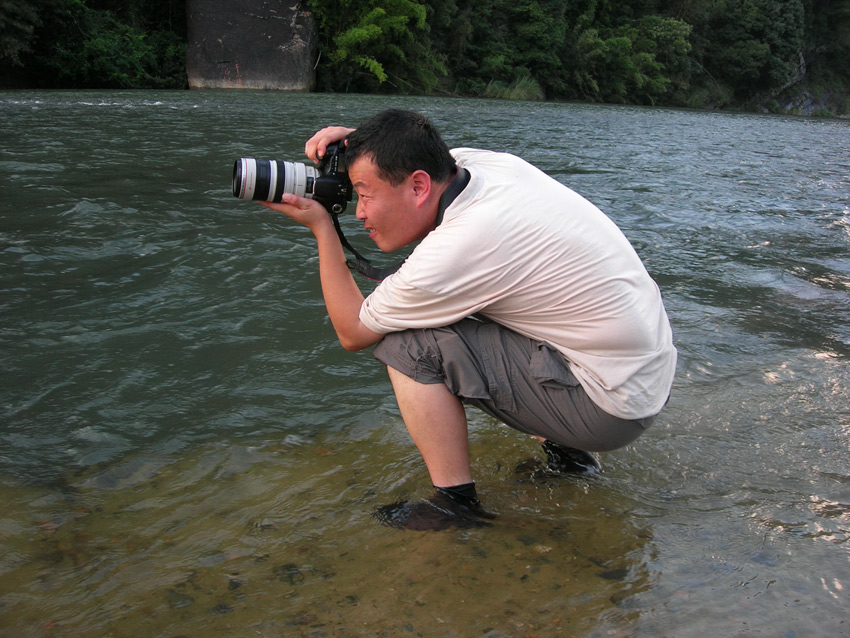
<point>317,146</point>
<point>307,212</point>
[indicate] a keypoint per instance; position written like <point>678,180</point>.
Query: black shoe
<point>438,512</point>
<point>566,460</point>
<point>560,461</point>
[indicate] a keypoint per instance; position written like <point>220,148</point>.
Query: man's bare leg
<point>436,421</point>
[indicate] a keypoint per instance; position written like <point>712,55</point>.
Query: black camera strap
<point>359,262</point>
<point>375,273</point>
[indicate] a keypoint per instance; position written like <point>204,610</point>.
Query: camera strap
<point>375,273</point>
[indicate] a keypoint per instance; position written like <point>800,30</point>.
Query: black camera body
<point>332,188</point>
<point>269,180</point>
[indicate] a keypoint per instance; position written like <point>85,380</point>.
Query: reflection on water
<point>186,450</point>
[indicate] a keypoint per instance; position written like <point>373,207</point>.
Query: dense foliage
<point>674,52</point>
<point>93,43</point>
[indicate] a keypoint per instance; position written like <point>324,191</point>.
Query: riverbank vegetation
<point>93,43</point>
<point>777,55</point>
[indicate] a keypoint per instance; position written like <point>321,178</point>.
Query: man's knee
<point>447,355</point>
<point>413,353</point>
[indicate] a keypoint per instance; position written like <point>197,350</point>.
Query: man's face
<point>388,212</point>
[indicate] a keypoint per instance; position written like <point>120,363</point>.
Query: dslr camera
<point>268,180</point>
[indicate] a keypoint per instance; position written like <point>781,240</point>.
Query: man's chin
<point>386,248</point>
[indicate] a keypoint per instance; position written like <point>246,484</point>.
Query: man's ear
<point>421,184</point>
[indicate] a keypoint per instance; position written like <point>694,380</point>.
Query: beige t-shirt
<point>525,251</point>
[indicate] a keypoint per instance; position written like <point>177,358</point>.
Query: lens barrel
<point>268,180</point>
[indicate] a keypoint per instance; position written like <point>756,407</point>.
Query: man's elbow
<point>352,345</point>
<point>358,340</point>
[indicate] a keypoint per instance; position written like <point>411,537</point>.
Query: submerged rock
<point>178,600</point>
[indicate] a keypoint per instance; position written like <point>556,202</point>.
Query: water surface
<point>186,450</point>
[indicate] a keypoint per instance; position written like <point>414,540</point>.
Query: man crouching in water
<point>522,299</point>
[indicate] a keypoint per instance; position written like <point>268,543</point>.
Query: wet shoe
<point>560,461</point>
<point>567,460</point>
<point>438,512</point>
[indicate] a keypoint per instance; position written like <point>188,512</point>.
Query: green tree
<point>95,43</point>
<point>668,40</point>
<point>636,62</point>
<point>17,27</point>
<point>368,46</point>
<point>754,46</point>
<point>89,47</point>
<point>498,46</point>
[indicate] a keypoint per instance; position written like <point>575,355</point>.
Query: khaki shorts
<point>524,383</point>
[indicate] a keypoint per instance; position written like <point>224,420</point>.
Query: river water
<point>186,450</point>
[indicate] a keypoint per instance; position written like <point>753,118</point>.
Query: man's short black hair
<point>401,142</point>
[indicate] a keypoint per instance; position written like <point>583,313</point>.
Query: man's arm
<point>342,296</point>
